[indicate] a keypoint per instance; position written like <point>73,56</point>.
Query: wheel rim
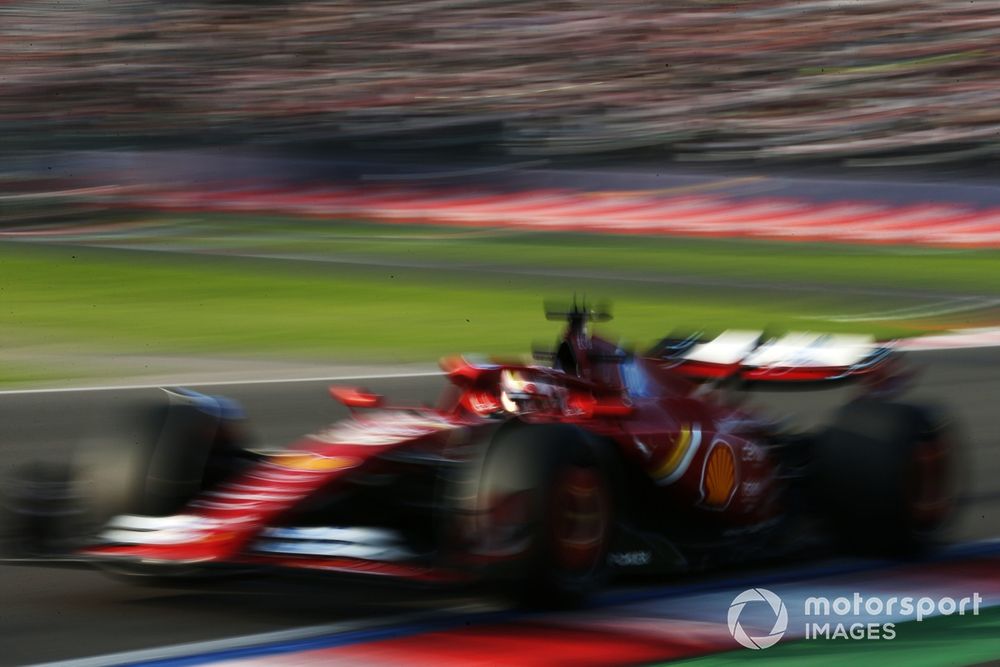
<point>580,519</point>
<point>931,482</point>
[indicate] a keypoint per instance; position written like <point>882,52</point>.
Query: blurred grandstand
<point>876,82</point>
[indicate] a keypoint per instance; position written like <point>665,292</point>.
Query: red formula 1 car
<point>550,478</point>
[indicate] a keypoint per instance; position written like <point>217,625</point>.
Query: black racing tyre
<point>40,515</point>
<point>547,511</point>
<point>156,473</point>
<point>50,509</point>
<point>179,451</point>
<point>887,476</point>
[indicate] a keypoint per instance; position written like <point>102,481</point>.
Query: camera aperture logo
<point>780,618</point>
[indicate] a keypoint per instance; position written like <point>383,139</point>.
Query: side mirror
<point>354,397</point>
<point>613,409</point>
<point>589,407</point>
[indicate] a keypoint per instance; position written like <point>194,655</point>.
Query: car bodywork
<point>397,491</point>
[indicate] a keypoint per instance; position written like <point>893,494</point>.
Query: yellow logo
<point>314,462</point>
<point>673,460</point>
<point>720,477</point>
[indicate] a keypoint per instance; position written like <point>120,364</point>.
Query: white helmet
<point>519,394</point>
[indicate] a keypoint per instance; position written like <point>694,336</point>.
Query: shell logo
<point>718,480</point>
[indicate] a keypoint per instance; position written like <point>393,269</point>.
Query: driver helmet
<point>519,393</point>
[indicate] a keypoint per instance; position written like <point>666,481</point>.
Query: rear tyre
<point>547,515</point>
<point>887,476</point>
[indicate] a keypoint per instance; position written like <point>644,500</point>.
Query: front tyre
<point>40,513</point>
<point>174,458</point>
<point>546,512</point>
<point>181,451</point>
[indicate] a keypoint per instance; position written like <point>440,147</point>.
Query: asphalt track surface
<point>53,614</point>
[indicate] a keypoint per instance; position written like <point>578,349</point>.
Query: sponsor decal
<point>753,453</point>
<point>676,462</point>
<point>751,492</point>
<point>310,462</point>
<point>381,429</point>
<point>718,477</point>
<point>630,558</point>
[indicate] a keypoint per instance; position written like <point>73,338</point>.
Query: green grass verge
<point>939,642</point>
<point>18,374</point>
<point>975,271</point>
<point>159,302</point>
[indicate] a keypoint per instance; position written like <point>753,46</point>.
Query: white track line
<point>223,383</point>
<point>971,339</point>
<point>976,338</point>
<point>925,310</point>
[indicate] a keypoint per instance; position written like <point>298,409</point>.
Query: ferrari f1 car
<point>550,477</point>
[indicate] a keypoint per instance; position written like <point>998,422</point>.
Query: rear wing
<point>794,357</point>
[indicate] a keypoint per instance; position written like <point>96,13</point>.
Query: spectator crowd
<point>854,80</point>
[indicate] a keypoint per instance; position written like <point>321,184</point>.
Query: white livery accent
<point>729,347</point>
<point>156,530</point>
<point>798,349</point>
<point>359,542</point>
